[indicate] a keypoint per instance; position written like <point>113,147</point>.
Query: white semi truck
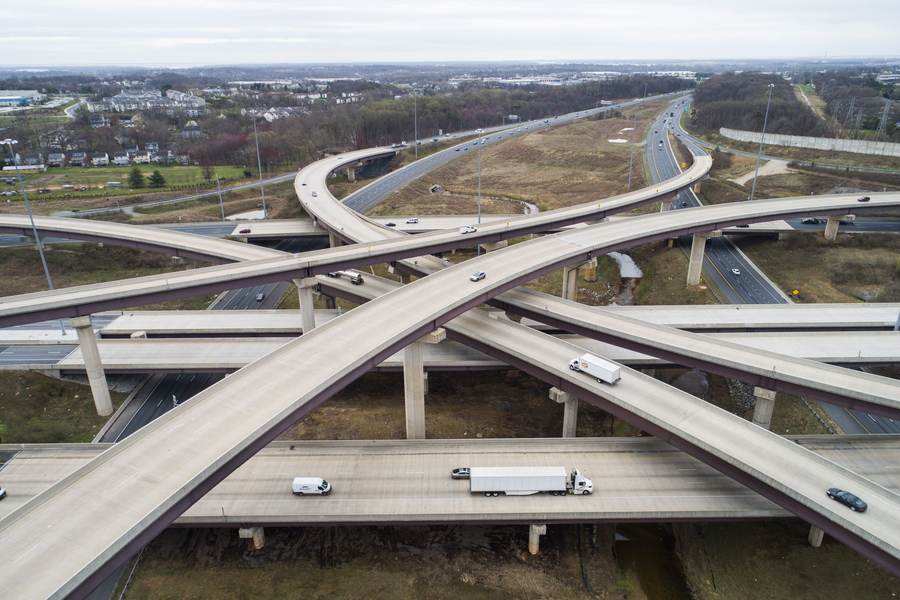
<point>604,370</point>
<point>522,481</point>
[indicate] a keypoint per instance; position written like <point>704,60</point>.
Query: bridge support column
<point>816,536</point>
<point>305,289</point>
<point>257,534</point>
<point>697,187</point>
<point>698,247</point>
<point>570,278</point>
<point>831,228</point>
<point>414,384</point>
<point>491,246</point>
<point>765,406</point>
<point>334,241</point>
<point>570,411</point>
<point>92,364</point>
<point>405,277</point>
<point>666,205</point>
<point>535,531</point>
<point>351,173</point>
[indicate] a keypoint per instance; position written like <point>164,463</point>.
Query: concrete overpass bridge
<point>225,427</point>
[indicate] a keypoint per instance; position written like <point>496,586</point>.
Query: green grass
<point>39,409</point>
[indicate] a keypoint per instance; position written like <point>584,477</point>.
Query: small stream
<point>648,551</point>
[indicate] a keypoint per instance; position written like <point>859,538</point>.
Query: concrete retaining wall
<point>799,141</point>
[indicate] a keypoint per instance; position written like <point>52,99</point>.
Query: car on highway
<point>477,276</point>
<point>315,195</point>
<point>245,230</point>
<point>456,149</point>
<point>3,492</point>
<point>736,271</point>
<point>467,229</point>
<point>412,220</point>
<point>260,297</point>
<point>303,184</point>
<point>460,473</point>
<point>390,224</point>
<point>863,199</point>
<point>847,499</point>
<point>810,221</point>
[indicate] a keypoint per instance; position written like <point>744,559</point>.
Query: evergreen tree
<point>157,179</point>
<point>136,178</point>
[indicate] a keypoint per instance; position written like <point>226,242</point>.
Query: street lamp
<point>761,138</point>
<point>37,239</point>
<point>262,188</point>
<point>219,187</point>
<point>478,131</point>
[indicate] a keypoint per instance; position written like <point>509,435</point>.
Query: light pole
<point>37,239</point>
<point>761,138</point>
<point>219,187</point>
<point>631,161</point>
<point>416,122</point>
<point>479,182</point>
<point>262,188</point>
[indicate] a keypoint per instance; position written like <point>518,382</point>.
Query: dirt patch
<point>387,563</point>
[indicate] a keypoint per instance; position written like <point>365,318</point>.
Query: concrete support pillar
<point>697,187</point>
<point>513,317</point>
<point>649,372</point>
<point>351,173</point>
<point>405,277</point>
<point>816,536</point>
<point>257,534</point>
<point>698,247</point>
<point>667,205</point>
<point>831,228</point>
<point>491,246</point>
<point>535,531</point>
<point>570,278</point>
<point>414,384</point>
<point>305,288</point>
<point>570,411</point>
<point>765,405</point>
<point>92,364</point>
<point>334,241</point>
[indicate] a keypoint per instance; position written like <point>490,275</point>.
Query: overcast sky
<point>202,32</point>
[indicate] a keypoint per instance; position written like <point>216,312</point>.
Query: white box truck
<point>523,481</point>
<point>310,485</point>
<point>604,370</point>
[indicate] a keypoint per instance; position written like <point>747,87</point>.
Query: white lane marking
<point>26,554</point>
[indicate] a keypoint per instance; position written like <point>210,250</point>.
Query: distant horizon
<point>809,60</point>
<point>197,33</point>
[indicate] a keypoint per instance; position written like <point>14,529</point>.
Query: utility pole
<point>262,188</point>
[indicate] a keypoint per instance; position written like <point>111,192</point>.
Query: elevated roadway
<point>408,481</point>
<point>225,427</point>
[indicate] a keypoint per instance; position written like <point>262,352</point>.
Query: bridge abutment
<point>535,531</point>
<point>256,534</point>
<point>765,406</point>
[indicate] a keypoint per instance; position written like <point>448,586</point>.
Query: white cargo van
<point>310,485</point>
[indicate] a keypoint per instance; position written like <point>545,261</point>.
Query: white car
<point>477,276</point>
<point>736,271</point>
<point>412,220</point>
<point>467,229</point>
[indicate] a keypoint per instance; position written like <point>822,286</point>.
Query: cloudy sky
<point>201,32</point>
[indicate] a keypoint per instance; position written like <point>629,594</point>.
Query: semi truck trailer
<point>523,481</point>
<point>604,370</point>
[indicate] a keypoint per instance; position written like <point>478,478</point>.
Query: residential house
<point>78,159</point>
<point>34,158</point>
<point>152,147</point>
<point>100,159</point>
<point>56,159</point>
<point>191,131</point>
<point>132,149</point>
<point>142,158</point>
<point>183,159</point>
<point>98,121</point>
<point>121,159</point>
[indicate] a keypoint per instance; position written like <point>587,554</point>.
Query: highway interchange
<point>386,326</point>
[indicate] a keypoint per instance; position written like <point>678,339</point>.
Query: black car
<point>460,473</point>
<point>390,224</point>
<point>863,199</point>
<point>847,499</point>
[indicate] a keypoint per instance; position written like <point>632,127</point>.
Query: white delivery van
<point>310,485</point>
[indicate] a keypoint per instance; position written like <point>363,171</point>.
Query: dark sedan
<point>847,499</point>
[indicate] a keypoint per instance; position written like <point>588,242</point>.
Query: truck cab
<point>579,484</point>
